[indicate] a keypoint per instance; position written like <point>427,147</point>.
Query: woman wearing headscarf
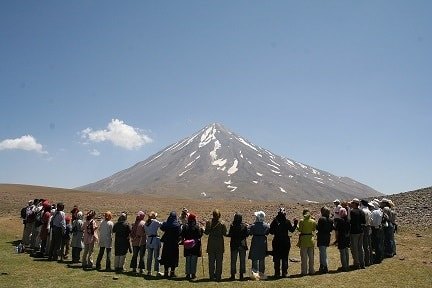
<point>306,242</point>
<point>44,233</point>
<point>281,244</point>
<point>191,237</point>
<point>324,228</point>
<point>90,237</point>
<point>258,249</point>
<point>138,239</point>
<point>58,227</point>
<point>153,243</point>
<point>77,243</point>
<point>105,241</point>
<point>342,226</point>
<point>170,249</point>
<point>122,245</point>
<point>216,230</point>
<point>238,232</point>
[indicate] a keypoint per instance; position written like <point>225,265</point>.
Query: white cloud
<point>119,134</point>
<point>94,152</point>
<point>26,142</point>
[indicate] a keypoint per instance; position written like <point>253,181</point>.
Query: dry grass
<point>411,267</point>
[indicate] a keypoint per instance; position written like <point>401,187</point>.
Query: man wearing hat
<point>357,222</point>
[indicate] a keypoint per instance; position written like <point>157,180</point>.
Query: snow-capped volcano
<point>217,163</point>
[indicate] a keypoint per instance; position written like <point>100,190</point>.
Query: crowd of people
<point>366,228</point>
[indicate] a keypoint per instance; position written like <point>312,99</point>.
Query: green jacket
<point>216,231</point>
<point>306,228</point>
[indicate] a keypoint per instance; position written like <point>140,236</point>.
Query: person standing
<point>281,244</point>
<point>377,233</point>
<point>66,238</point>
<point>105,241</point>
<point>367,233</point>
<point>238,232</point>
<point>306,243</point>
<point>138,239</point>
<point>122,232</point>
<point>216,230</point>
<point>258,249</point>
<point>357,222</point>
<point>153,243</point>
<point>90,237</point>
<point>342,226</point>
<point>191,237</point>
<point>77,243</point>
<point>324,229</point>
<point>170,249</point>
<point>44,232</point>
<point>58,228</point>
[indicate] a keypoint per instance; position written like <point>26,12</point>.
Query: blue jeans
<point>191,264</point>
<point>258,265</point>
<point>141,251</point>
<point>323,256</point>
<point>241,252</point>
<point>344,257</point>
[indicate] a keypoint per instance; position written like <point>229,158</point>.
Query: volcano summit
<point>217,163</point>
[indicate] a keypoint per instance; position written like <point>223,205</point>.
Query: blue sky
<point>88,88</point>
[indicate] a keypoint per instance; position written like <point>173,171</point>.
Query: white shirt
<point>153,241</point>
<point>368,215</point>
<point>336,211</point>
<point>376,218</point>
<point>105,233</point>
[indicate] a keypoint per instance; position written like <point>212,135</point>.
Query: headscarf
<point>123,217</point>
<point>191,218</point>
<point>259,216</point>
<point>238,219</point>
<point>281,216</point>
<point>171,221</point>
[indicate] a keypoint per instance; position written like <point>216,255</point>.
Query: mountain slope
<point>217,163</point>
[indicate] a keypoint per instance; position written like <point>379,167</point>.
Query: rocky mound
<point>414,208</point>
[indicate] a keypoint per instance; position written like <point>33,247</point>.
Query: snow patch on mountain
<point>207,136</point>
<point>271,165</point>
<point>246,143</point>
<point>282,190</point>
<point>181,174</point>
<point>233,168</point>
<point>232,188</point>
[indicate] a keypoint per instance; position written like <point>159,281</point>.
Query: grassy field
<point>412,267</point>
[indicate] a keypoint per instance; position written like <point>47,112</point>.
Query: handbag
<point>189,244</point>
